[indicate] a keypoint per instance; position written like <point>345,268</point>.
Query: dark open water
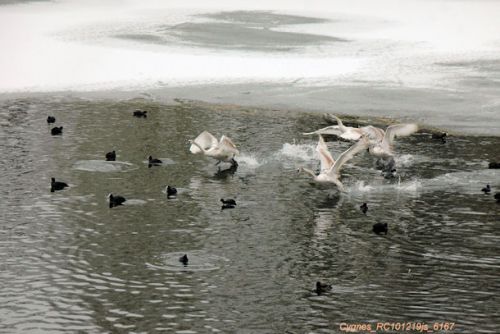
<point>71,264</point>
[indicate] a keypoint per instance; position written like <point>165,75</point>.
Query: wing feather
<point>329,130</point>
<point>227,144</point>
<point>361,145</point>
<point>400,130</point>
<point>373,133</point>
<point>324,155</point>
<point>206,140</point>
<point>397,130</point>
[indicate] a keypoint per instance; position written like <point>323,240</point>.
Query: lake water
<point>72,264</point>
<point>262,74</point>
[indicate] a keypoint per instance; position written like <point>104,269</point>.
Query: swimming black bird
<point>184,259</point>
<point>386,164</point>
<point>153,161</point>
<point>497,197</point>
<point>57,185</point>
<point>224,173</point>
<point>140,113</point>
<point>228,201</point>
<point>115,200</point>
<point>494,165</point>
<point>486,189</point>
<point>379,228</point>
<point>227,206</point>
<point>51,119</point>
<point>364,208</point>
<point>111,156</point>
<point>56,131</point>
<point>171,191</point>
<point>440,136</point>
<point>390,174</point>
<point>322,287</point>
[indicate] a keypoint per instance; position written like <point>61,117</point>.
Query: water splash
<point>412,186</point>
<point>405,160</point>
<point>409,186</point>
<point>465,181</point>
<point>305,152</point>
<point>249,160</point>
<point>360,186</point>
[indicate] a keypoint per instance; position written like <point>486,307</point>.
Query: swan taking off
<point>330,169</point>
<point>380,141</point>
<point>349,132</point>
<point>383,148</point>
<point>207,144</point>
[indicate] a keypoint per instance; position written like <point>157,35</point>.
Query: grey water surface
<point>235,30</point>
<point>72,264</point>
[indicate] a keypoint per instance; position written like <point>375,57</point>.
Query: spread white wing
<point>361,145</point>
<point>346,132</point>
<point>329,130</point>
<point>324,155</point>
<point>373,133</point>
<point>398,130</point>
<point>227,144</point>
<point>340,130</point>
<point>205,140</point>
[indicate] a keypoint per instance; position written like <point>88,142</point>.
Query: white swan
<point>349,132</point>
<point>330,169</point>
<point>383,148</point>
<point>207,144</point>
<point>380,141</point>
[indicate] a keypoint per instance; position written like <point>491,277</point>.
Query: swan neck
<point>340,124</point>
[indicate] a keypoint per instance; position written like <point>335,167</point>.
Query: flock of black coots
<point>116,200</point>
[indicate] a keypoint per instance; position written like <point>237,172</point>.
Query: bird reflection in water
<point>225,173</point>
